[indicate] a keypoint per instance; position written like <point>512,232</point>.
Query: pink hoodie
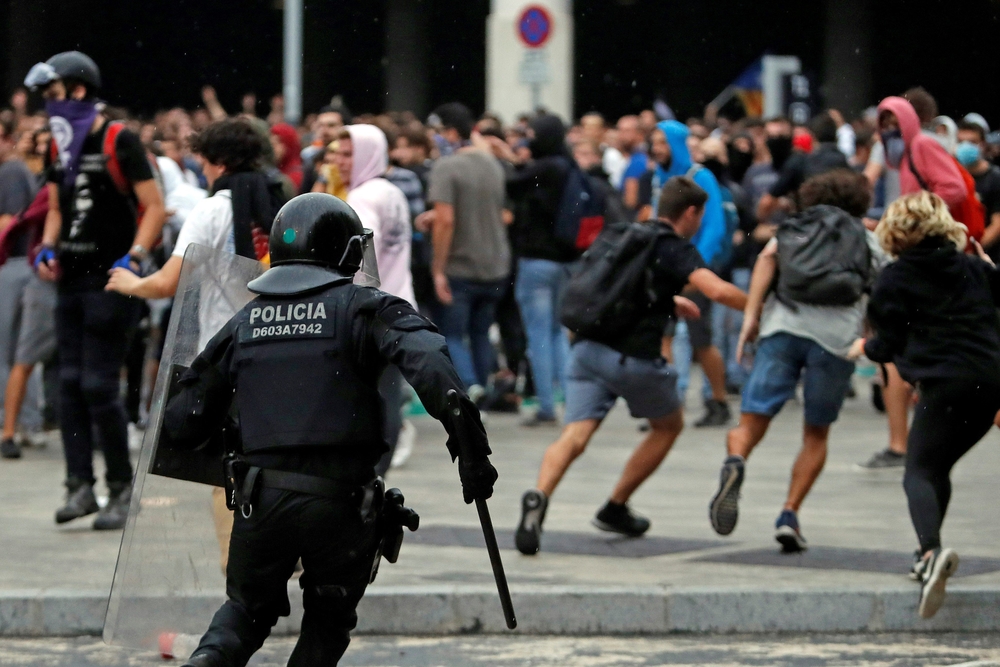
<point>936,167</point>
<point>382,208</point>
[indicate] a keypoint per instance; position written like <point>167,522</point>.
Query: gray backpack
<point>823,258</point>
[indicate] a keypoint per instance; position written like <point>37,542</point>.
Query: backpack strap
<point>113,165</point>
<point>913,170</point>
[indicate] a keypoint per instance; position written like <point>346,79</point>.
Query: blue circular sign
<point>534,26</point>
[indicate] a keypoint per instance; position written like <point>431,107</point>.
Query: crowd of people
<point>98,207</point>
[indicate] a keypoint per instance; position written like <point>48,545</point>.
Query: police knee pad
<point>332,604</point>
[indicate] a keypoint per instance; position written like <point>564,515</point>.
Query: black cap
<point>76,65</point>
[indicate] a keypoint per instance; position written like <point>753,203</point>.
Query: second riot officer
<point>299,366</point>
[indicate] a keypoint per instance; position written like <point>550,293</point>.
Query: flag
<point>750,90</point>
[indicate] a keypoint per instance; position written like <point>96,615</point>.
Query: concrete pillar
<point>847,55</point>
<point>519,76</point>
<point>406,48</point>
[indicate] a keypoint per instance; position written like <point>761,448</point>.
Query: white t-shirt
<point>210,223</point>
<point>614,164</point>
<point>382,208</point>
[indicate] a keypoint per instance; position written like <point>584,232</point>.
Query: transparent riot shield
<point>169,577</point>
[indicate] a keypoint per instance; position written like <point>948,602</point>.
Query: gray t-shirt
<point>833,328</point>
<point>473,182</point>
<point>17,189</point>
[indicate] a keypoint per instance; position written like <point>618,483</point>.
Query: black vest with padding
<point>298,378</point>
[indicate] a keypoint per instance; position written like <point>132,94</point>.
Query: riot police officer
<point>299,365</point>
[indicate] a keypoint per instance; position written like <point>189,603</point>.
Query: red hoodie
<point>933,163</point>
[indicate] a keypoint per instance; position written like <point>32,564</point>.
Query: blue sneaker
<point>786,531</point>
<point>724,509</point>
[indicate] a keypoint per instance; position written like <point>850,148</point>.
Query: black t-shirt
<point>646,190</point>
<point>674,260</point>
<point>800,167</point>
<point>99,222</point>
<point>988,189</point>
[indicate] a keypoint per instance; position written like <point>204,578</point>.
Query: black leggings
<point>951,416</point>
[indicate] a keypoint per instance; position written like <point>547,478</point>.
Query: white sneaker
<point>404,444</point>
<point>942,564</point>
<point>135,436</point>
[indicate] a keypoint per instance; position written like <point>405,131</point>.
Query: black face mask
<point>780,149</point>
<point>739,162</point>
<point>715,166</point>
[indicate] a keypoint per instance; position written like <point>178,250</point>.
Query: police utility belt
<point>374,503</point>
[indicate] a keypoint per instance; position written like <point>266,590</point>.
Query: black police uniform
<point>301,363</point>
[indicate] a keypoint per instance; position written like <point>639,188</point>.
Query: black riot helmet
<point>317,240</point>
<point>72,65</point>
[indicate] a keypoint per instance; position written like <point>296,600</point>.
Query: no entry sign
<point>534,26</point>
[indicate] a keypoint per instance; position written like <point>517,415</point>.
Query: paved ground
<point>857,523</point>
<point>864,513</point>
<point>705,651</point>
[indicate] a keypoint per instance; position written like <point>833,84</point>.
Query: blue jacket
<point>711,236</point>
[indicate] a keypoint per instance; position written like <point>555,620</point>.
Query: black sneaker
<point>724,509</point>
<point>786,531</point>
<point>528,536</point>
<point>80,501</point>
<point>716,414</point>
<point>942,564</point>
<point>616,518</point>
<point>883,460</point>
<point>113,515</point>
<point>10,449</point>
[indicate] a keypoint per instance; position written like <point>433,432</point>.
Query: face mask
<point>739,162</point>
<point>715,166</point>
<point>968,153</point>
<point>70,121</point>
<point>895,147</point>
<point>780,149</point>
<point>666,163</point>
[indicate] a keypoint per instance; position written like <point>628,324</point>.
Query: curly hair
<point>912,218</point>
<point>232,143</point>
<point>842,188</point>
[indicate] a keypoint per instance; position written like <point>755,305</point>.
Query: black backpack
<point>611,288</point>
<point>823,258</point>
<point>580,217</point>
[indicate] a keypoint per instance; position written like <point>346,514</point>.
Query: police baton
<point>491,537</point>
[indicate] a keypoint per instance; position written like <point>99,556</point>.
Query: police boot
<point>80,501</point>
<point>113,515</point>
<point>204,660</point>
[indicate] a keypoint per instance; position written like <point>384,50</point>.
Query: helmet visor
<point>39,76</point>
<point>367,275</point>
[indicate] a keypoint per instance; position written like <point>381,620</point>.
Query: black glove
<point>477,478</point>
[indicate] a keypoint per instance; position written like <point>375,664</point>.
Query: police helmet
<point>65,65</point>
<point>316,240</point>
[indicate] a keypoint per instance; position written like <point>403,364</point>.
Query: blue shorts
<point>780,360</point>
<point>598,375</point>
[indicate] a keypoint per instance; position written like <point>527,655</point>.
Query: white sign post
<point>529,57</point>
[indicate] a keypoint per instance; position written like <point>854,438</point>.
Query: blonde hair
<point>911,218</point>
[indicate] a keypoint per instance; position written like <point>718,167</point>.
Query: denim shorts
<point>598,375</point>
<point>780,360</point>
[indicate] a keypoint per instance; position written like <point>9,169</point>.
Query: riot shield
<point>168,578</point>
